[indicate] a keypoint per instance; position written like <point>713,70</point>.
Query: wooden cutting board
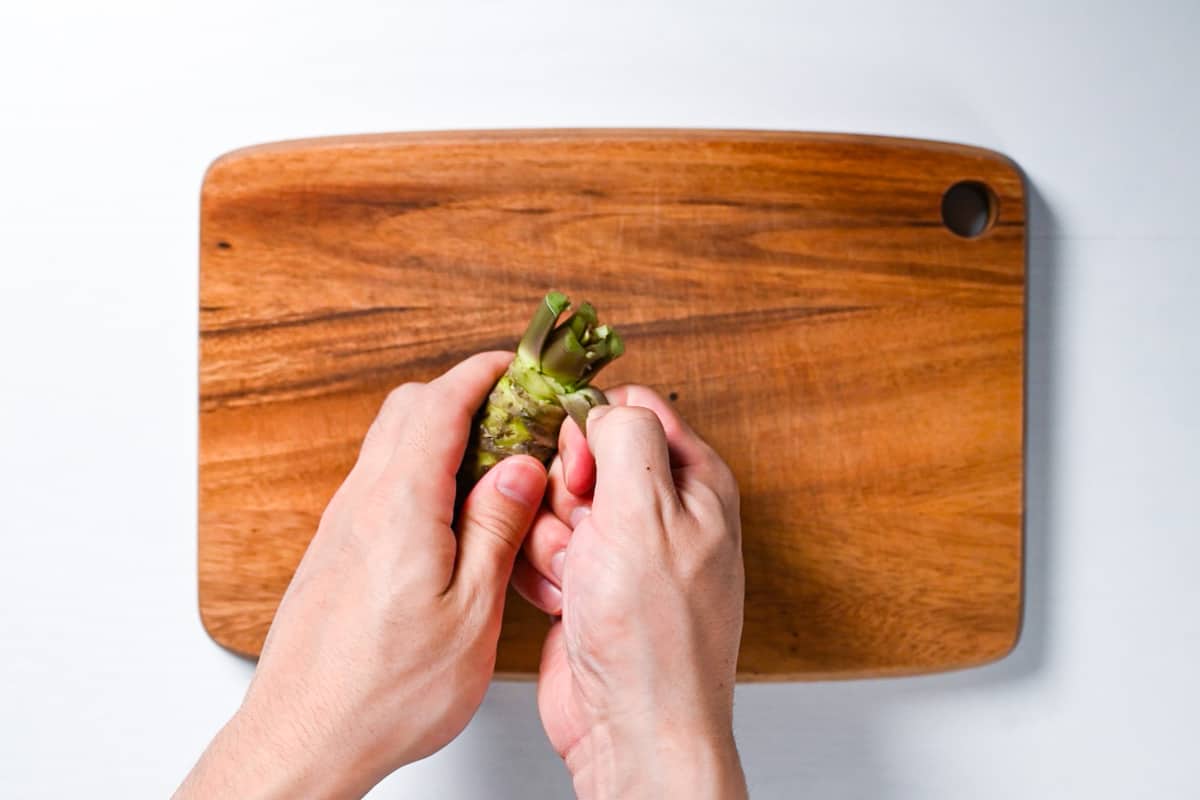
<point>798,296</point>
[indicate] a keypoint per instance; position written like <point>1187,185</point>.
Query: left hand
<point>385,641</point>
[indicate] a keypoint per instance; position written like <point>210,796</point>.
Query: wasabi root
<point>548,380</point>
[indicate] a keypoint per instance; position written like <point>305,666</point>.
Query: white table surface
<point>109,113</point>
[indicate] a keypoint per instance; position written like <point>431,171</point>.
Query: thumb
<point>494,520</point>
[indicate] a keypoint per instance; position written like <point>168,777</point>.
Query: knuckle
<point>633,416</point>
<point>621,593</point>
<point>380,507</point>
<point>712,549</point>
<point>637,522</point>
<point>430,412</point>
<point>725,483</point>
<point>401,397</point>
<point>543,542</point>
<point>636,394</point>
<point>420,439</point>
<point>368,514</point>
<point>496,523</point>
<point>628,428</point>
<point>718,483</point>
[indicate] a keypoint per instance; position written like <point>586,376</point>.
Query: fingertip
<point>578,466</point>
<point>521,478</point>
<point>548,537</point>
<point>578,514</point>
<point>570,437</point>
<point>537,591</point>
<point>495,519</point>
<point>575,459</point>
<point>581,477</point>
<point>569,487</point>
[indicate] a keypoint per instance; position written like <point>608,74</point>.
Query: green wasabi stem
<point>616,345</point>
<point>573,360</point>
<point>582,321</point>
<point>577,404</point>
<point>565,358</point>
<point>548,379</point>
<point>530,348</point>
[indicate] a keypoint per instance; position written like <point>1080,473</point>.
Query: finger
<point>545,547</point>
<point>431,433</point>
<point>572,475</point>
<point>578,468</point>
<point>633,466</point>
<point>697,467</point>
<point>379,444</point>
<point>451,401</point>
<point>495,518</point>
<point>539,592</point>
<point>472,376</point>
<point>563,503</point>
<point>685,445</point>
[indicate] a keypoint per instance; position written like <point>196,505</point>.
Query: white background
<point>109,113</point>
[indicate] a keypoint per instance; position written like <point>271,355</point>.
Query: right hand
<point>636,682</point>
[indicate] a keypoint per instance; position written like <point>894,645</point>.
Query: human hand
<point>385,641</point>
<point>636,682</point>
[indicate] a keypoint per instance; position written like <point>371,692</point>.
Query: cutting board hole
<point>969,209</point>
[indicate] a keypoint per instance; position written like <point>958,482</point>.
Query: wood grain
<point>858,365</point>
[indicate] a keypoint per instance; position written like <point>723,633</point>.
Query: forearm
<point>698,765</point>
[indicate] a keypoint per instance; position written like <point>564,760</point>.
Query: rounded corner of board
<point>225,166</point>
<point>1002,649</point>
<point>214,633</point>
<point>1004,163</point>
<point>220,165</point>
<point>1015,174</point>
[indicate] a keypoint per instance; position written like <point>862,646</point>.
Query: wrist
<point>250,758</point>
<point>663,762</point>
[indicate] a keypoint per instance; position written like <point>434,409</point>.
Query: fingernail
<point>577,515</point>
<point>556,565</point>
<point>597,412</point>
<point>521,482</point>
<point>549,595</point>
